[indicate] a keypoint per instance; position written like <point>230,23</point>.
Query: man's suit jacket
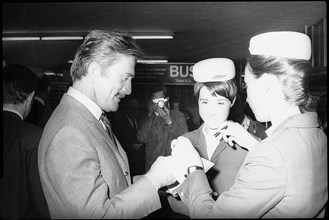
<point>285,175</point>
<point>21,190</point>
<point>82,172</point>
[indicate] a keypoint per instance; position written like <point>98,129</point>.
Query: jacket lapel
<point>199,142</point>
<point>219,149</point>
<point>118,152</point>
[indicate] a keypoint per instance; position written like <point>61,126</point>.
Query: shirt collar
<point>87,102</point>
<point>211,142</point>
<point>13,111</point>
<point>270,130</point>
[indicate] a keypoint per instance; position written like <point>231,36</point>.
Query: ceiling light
<point>20,38</point>
<point>152,37</point>
<point>63,38</point>
<point>152,61</point>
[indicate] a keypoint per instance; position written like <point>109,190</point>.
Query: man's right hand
<point>184,155</point>
<point>161,172</point>
<point>183,150</point>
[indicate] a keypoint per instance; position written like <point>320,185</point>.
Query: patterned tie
<point>108,128</point>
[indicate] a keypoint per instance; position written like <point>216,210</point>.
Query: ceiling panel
<point>201,29</point>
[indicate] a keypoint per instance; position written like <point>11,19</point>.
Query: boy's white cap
<point>286,44</point>
<point>213,70</point>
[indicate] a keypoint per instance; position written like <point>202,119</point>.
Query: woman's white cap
<point>213,70</point>
<point>286,44</point>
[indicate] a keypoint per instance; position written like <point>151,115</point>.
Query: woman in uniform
<point>284,175</point>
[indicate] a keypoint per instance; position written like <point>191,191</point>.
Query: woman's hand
<point>234,132</point>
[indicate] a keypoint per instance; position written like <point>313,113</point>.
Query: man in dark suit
<point>41,110</point>
<point>21,188</point>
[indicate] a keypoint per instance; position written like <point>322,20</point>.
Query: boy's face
<point>213,109</point>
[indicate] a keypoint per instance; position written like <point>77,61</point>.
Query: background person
<point>284,175</point>
<point>41,110</point>
<point>191,125</point>
<point>175,105</point>
<point>83,168</point>
<point>237,114</point>
<point>160,126</point>
<point>125,127</point>
<point>22,195</point>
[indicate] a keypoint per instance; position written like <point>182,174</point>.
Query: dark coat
<point>22,192</point>
<point>39,114</point>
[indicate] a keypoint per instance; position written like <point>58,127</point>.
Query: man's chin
<point>112,108</point>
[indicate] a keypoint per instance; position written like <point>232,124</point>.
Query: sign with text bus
<point>165,73</point>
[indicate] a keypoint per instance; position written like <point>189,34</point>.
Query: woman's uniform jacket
<point>84,174</point>
<point>285,175</point>
<point>227,162</point>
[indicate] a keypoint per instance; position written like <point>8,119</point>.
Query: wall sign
<point>166,73</point>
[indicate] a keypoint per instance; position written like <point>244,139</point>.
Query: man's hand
<point>184,155</point>
<point>161,172</point>
<point>164,113</point>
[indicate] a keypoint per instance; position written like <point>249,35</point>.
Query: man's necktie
<point>108,128</point>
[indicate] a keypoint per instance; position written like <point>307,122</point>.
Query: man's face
<point>114,83</point>
<point>154,101</point>
<point>213,109</point>
<point>175,105</point>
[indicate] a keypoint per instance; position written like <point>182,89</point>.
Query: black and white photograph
<point>164,110</point>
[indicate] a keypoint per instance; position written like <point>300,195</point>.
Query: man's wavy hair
<point>104,47</point>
